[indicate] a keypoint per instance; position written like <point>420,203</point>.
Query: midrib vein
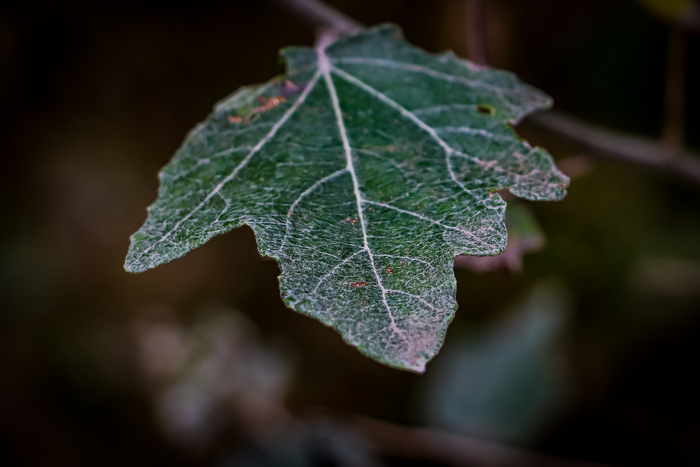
<point>449,151</point>
<point>285,117</point>
<point>324,67</point>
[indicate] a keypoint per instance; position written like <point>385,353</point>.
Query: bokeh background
<point>589,352</point>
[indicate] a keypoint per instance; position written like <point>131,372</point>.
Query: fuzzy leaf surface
<point>363,171</point>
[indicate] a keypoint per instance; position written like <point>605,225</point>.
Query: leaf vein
<point>449,151</point>
<point>287,115</point>
<point>298,200</point>
<point>325,67</point>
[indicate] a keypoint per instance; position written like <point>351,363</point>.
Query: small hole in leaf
<point>485,109</point>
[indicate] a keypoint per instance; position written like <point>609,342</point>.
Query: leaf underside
<point>363,171</point>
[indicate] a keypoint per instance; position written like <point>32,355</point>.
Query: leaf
<point>364,171</point>
<point>508,379</point>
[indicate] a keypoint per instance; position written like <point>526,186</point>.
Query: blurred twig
<point>691,22</point>
<point>635,150</point>
<point>674,94</point>
<point>476,36</point>
<point>675,91</point>
<point>428,444</point>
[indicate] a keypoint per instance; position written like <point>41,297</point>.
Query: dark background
<point>96,96</point>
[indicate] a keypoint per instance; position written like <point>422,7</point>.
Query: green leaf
<point>509,378</point>
<point>364,171</point>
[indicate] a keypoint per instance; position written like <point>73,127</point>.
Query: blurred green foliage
<point>504,382</point>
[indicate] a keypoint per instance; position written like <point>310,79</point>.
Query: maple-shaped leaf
<point>363,171</point>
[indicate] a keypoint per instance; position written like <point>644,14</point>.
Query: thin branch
<point>323,17</point>
<point>428,444</point>
<point>636,150</point>
<point>476,38</point>
<point>674,96</point>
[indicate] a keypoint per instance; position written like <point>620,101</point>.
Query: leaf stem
<point>323,17</point>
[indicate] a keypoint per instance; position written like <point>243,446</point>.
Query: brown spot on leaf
<point>390,270</point>
<point>267,104</point>
<point>236,119</point>
<point>358,284</point>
